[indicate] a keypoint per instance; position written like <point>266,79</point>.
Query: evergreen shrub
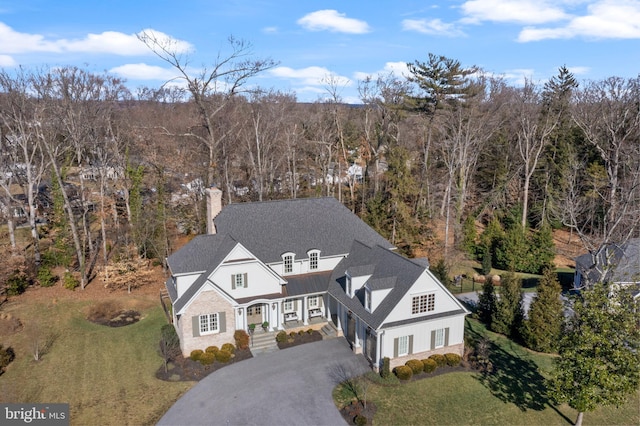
<point>452,359</point>
<point>403,372</point>
<point>415,365</point>
<point>223,356</point>
<point>196,354</point>
<point>429,365</point>
<point>439,359</point>
<point>228,347</point>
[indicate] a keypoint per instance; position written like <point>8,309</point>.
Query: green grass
<point>513,395</point>
<point>107,375</point>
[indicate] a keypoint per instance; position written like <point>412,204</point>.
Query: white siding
<point>377,297</point>
<point>301,265</point>
<point>259,279</point>
<point>183,282</point>
<point>444,301</point>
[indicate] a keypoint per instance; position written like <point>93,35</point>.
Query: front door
<point>254,315</point>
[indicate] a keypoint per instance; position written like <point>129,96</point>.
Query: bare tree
<point>211,87</point>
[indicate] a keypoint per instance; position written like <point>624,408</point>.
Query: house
<point>617,264</point>
<point>305,263</point>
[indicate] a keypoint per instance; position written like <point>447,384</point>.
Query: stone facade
<point>206,302</point>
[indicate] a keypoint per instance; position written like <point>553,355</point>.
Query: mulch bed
<point>354,409</point>
<point>300,339</point>
<point>120,319</point>
<point>186,369</point>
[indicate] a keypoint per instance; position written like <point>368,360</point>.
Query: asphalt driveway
<point>287,387</point>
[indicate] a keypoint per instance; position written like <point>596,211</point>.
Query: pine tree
<point>599,361</point>
<point>487,303</point>
<point>469,235</point>
<point>542,328</point>
<point>542,249</point>
<point>507,317</point>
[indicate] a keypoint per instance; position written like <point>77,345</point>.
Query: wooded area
<point>117,175</point>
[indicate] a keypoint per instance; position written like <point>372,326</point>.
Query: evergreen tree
<point>542,328</point>
<point>469,236</point>
<point>543,249</point>
<point>507,317</point>
<point>489,238</point>
<point>512,251</point>
<point>599,361</point>
<point>487,303</point>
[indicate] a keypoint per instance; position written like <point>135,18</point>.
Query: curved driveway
<point>287,387</point>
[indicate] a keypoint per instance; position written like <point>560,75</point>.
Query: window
<point>254,310</point>
<point>238,281</point>
<point>403,345</point>
<point>348,289</point>
<point>313,260</point>
<point>423,303</point>
<point>209,323</point>
<point>288,305</point>
<point>367,301</point>
<point>439,338</point>
<point>313,301</point>
<point>288,264</point>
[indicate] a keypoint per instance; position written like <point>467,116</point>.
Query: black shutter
<point>195,325</point>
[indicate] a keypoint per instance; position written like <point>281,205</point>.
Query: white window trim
<point>314,254</point>
<point>403,345</point>
<point>207,320</point>
<point>288,306</point>
<point>240,281</point>
<point>285,257</point>
<point>427,296</point>
<point>313,301</point>
<point>367,299</point>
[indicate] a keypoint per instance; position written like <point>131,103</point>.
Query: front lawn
<point>106,374</point>
<point>513,394</point>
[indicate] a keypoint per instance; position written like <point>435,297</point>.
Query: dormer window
<point>367,299</point>
<point>313,260</point>
<point>288,263</point>
<point>348,286</point>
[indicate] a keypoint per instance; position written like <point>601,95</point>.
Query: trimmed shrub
<point>439,359</point>
<point>429,365</point>
<point>207,358</point>
<point>359,420</point>
<point>386,369</point>
<point>415,365</point>
<point>223,356</point>
<point>242,339</point>
<point>309,331</point>
<point>46,277</point>
<point>293,334</point>
<point>228,347</point>
<point>301,333</point>
<point>281,337</point>
<point>452,359</point>
<point>212,349</point>
<point>196,354</point>
<point>403,372</point>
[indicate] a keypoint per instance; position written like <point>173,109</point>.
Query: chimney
<point>214,206</point>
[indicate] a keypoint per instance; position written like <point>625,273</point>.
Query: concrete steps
<point>328,332</point>
<point>262,343</point>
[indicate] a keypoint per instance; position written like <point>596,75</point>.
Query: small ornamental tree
<point>541,331</point>
<point>599,361</point>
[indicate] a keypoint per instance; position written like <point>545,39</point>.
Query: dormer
<point>356,277</point>
<point>376,290</point>
<point>288,259</point>
<point>314,260</point>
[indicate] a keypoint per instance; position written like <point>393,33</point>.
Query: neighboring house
<point>616,264</point>
<point>304,263</point>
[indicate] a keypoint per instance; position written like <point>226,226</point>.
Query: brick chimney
<point>214,206</point>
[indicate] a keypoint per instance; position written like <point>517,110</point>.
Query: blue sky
<point>314,40</point>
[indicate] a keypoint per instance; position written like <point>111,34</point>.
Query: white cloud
<point>399,69</point>
<point>431,26</point>
<point>270,30</point>
<point>311,76</point>
<point>517,11</point>
<point>612,19</point>
<point>111,42</point>
<point>7,61</point>
<point>331,20</point>
<point>144,72</point>
<point>579,70</point>
<point>519,76</point>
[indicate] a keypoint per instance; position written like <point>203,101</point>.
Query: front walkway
<point>288,387</point>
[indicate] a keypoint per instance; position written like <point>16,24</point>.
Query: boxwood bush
<point>242,339</point>
<point>281,337</point>
<point>207,358</point>
<point>403,372</point>
<point>223,356</point>
<point>212,349</point>
<point>439,359</point>
<point>228,347</point>
<point>429,365</point>
<point>415,365</point>
<point>452,359</point>
<point>196,354</point>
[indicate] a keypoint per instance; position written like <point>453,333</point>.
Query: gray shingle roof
<point>389,266</point>
<point>625,261</point>
<point>270,228</point>
<point>298,285</point>
<point>208,251</point>
<point>200,253</point>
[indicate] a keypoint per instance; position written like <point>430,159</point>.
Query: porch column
<point>356,340</point>
<point>339,318</point>
<point>304,311</point>
<point>327,309</point>
<point>378,349</point>
<point>273,315</point>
